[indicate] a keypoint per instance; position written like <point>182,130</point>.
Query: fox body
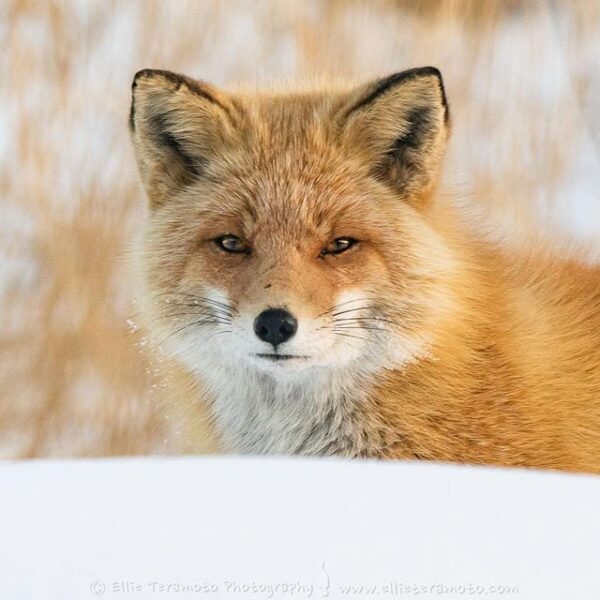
<point>299,263</point>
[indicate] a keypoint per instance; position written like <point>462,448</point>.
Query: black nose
<point>275,326</point>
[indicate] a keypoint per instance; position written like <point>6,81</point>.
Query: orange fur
<point>499,350</point>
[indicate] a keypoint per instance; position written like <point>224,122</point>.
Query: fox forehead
<point>295,191</point>
<point>287,158</point>
<point>298,189</point>
<point>290,116</point>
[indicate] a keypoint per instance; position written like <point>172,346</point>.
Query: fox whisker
<point>192,324</point>
<point>345,327</point>
<point>360,319</point>
<point>218,332</point>
<point>350,310</point>
<point>222,318</point>
<point>222,305</point>
<point>208,309</point>
<point>337,306</point>
<point>350,335</point>
<point>198,305</point>
<point>198,300</point>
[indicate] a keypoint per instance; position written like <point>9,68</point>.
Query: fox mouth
<point>279,357</point>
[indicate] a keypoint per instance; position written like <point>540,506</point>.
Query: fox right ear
<point>177,124</point>
<point>400,125</point>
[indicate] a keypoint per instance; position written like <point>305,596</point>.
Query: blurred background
<point>76,379</point>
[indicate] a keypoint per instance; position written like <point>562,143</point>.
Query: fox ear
<point>177,125</point>
<point>399,125</point>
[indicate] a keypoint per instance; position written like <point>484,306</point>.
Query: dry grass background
<point>523,78</point>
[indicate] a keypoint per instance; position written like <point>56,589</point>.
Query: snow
<point>294,528</point>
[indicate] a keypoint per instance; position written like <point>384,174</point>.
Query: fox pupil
<point>232,243</point>
<point>339,245</point>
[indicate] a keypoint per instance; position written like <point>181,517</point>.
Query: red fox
<point>298,261</point>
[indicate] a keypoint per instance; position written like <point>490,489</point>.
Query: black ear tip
<point>143,73</point>
<point>435,72</point>
<point>174,80</point>
<point>416,73</point>
<point>424,71</point>
<point>410,74</point>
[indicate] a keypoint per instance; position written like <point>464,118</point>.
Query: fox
<point>299,261</point>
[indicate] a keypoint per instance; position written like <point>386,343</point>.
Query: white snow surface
<point>294,528</point>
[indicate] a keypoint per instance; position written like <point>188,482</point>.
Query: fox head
<point>289,232</point>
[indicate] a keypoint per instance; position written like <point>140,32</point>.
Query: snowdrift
<point>293,528</point>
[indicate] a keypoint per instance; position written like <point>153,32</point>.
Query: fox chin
<point>299,262</point>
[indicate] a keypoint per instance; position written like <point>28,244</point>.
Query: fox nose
<point>275,326</point>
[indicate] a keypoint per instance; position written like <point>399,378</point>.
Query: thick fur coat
<point>415,337</point>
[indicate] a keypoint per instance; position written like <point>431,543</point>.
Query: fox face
<point>288,233</point>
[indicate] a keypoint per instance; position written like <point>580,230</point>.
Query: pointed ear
<point>177,125</point>
<point>399,126</point>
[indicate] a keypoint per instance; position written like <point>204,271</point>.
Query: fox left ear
<point>399,125</point>
<point>178,126</point>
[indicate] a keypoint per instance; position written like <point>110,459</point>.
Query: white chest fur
<point>318,413</point>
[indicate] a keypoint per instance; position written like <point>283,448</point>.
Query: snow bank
<point>291,528</point>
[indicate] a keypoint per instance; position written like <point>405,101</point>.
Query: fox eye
<point>339,245</point>
<point>232,244</point>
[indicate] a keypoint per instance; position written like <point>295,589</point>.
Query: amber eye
<point>339,245</point>
<point>232,244</point>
